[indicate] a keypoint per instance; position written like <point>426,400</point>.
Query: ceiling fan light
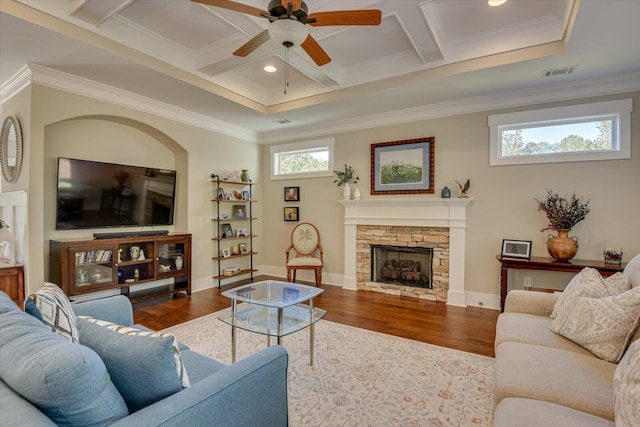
<point>495,3</point>
<point>288,30</point>
<point>270,69</point>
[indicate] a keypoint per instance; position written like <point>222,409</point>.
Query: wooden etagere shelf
<point>229,198</point>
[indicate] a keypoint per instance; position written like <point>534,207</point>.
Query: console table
<point>550,264</point>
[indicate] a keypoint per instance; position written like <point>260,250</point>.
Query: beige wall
<point>108,132</point>
<point>58,123</point>
<point>504,205</point>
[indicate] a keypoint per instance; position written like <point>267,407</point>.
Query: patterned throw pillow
<point>626,388</point>
<point>602,325</point>
<point>52,306</point>
<point>589,283</point>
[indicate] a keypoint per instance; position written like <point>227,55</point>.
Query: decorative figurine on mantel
<point>463,189</point>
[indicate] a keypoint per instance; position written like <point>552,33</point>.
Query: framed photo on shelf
<point>221,194</point>
<point>239,211</point>
<point>516,249</point>
<point>229,175</point>
<point>230,196</point>
<point>243,248</point>
<point>227,231</point>
<point>246,195</point>
<point>226,253</point>
<point>403,167</point>
<point>291,214</point>
<point>291,194</point>
<point>242,232</point>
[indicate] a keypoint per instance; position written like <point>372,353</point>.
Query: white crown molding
<point>45,76</point>
<point>517,98</point>
<point>550,93</point>
<point>15,84</point>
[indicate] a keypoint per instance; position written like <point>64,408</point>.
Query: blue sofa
<point>251,392</point>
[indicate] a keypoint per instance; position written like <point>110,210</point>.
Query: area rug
<point>363,378</point>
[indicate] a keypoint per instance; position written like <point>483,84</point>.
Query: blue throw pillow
<point>67,382</point>
<point>144,368</point>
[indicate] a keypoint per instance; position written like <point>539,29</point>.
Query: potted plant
<point>563,214</point>
<point>343,178</point>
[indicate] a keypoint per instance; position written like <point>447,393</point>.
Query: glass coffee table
<point>272,308</point>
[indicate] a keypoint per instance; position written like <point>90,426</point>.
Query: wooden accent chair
<point>305,252</point>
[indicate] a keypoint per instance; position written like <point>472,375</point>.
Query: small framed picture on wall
<point>291,194</point>
<point>291,214</point>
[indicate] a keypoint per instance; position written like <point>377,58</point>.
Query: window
<point>302,159</point>
<point>598,131</point>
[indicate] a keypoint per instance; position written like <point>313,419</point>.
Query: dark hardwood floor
<point>468,329</point>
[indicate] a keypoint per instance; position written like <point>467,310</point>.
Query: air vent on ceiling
<point>559,71</point>
<point>282,122</point>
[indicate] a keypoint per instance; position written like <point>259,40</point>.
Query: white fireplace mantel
<point>427,212</point>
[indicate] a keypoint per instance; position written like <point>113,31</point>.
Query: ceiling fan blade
<point>313,49</point>
<point>252,44</point>
<point>296,4</point>
<point>346,17</point>
<point>232,5</point>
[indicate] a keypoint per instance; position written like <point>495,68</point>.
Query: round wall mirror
<point>11,149</point>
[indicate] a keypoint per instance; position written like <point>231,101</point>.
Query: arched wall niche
<point>113,139</point>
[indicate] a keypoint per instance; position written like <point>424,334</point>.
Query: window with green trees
<point>598,131</point>
<point>299,160</point>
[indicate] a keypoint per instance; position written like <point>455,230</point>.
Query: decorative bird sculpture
<point>464,188</point>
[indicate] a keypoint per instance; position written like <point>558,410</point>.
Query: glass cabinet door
<point>171,256</point>
<point>91,268</point>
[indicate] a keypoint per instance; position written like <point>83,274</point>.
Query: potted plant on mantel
<point>563,214</point>
<point>343,178</point>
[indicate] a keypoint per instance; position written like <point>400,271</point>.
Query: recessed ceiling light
<point>270,69</point>
<point>496,2</point>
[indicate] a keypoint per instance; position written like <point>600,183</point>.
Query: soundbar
<point>122,234</point>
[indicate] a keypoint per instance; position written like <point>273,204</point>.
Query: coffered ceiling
<point>180,53</point>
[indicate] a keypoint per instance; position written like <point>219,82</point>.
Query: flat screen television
<point>94,194</point>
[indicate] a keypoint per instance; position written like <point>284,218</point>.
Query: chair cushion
<point>304,261</point>
<point>531,329</point>
<point>536,413</point>
<point>68,382</point>
<point>52,306</point>
<point>626,388</point>
<point>144,366</point>
<point>584,383</point>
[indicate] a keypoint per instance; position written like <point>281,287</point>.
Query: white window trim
<point>620,110</point>
<point>302,146</point>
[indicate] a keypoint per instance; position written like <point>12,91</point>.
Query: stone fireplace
<point>438,225</point>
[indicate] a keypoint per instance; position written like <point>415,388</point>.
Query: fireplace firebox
<point>401,265</point>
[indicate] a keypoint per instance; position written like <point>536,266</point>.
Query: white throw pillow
<point>603,325</point>
<point>589,283</point>
<point>626,388</point>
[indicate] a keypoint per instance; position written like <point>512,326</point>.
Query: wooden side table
<point>12,283</point>
<point>550,264</point>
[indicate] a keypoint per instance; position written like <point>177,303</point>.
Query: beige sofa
<point>544,379</point>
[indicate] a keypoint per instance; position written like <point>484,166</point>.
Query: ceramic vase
<point>346,191</point>
<point>356,194</point>
<point>179,263</point>
<point>244,176</point>
<point>562,247</point>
